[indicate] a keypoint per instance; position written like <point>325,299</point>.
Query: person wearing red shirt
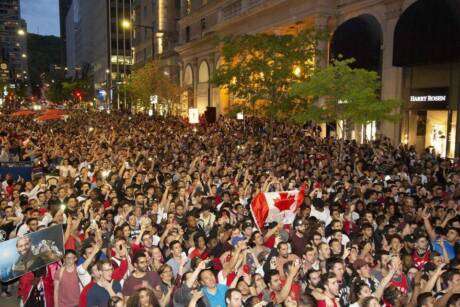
<point>331,291</point>
<point>278,291</point>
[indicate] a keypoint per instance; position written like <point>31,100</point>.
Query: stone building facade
<point>374,32</point>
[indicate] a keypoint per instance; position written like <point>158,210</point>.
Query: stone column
<point>321,23</point>
<point>391,75</point>
<point>455,91</point>
<point>195,81</point>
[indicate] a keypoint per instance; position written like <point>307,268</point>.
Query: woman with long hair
<point>143,297</point>
<point>167,284</point>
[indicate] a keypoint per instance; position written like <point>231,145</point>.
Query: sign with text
<point>193,116</point>
<point>429,98</point>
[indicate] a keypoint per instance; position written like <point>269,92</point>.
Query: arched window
<point>188,76</point>
<point>203,75</point>
<point>359,38</point>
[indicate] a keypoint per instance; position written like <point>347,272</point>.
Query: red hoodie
<point>25,287</point>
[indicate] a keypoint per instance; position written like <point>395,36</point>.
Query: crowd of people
<point>156,212</point>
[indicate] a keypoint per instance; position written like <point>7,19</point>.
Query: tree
<point>261,69</point>
<point>151,80</point>
<point>43,52</point>
<point>343,94</point>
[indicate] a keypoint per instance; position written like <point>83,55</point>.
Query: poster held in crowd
<point>28,253</point>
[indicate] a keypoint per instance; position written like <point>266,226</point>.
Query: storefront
<point>430,121</point>
<point>427,48</point>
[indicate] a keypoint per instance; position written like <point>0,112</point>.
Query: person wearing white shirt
<point>320,212</point>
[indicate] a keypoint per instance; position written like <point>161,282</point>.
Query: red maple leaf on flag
<point>285,201</point>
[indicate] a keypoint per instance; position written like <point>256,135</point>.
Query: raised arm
<point>429,229</point>
<point>383,284</point>
<point>432,281</point>
<point>284,293</point>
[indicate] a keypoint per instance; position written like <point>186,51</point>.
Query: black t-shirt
<point>299,244</point>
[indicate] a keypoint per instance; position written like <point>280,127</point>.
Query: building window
<point>145,11</point>
<point>203,24</point>
<point>188,7</point>
<point>187,34</point>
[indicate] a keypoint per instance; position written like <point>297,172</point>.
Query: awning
<point>428,32</point>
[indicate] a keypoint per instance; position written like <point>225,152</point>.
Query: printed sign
<point>193,116</point>
<point>429,98</point>
<point>28,253</point>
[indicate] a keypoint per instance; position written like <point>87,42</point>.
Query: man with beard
<point>421,254</point>
<point>141,277</point>
<point>331,291</point>
<point>298,239</point>
<point>27,261</point>
<point>279,292</point>
<point>283,257</point>
<point>313,280</point>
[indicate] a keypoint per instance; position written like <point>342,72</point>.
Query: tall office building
<point>144,27</point>
<point>98,46</point>
<point>64,6</point>
<point>13,43</point>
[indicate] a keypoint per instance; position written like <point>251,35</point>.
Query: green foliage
<point>261,69</point>
<point>43,52</point>
<point>339,92</point>
<point>61,90</point>
<point>147,81</point>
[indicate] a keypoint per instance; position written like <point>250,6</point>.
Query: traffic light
<point>78,94</point>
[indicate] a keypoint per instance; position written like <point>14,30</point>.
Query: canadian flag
<point>276,206</point>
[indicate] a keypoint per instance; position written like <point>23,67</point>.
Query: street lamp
<point>126,24</point>
<point>297,71</point>
<point>21,32</point>
<point>24,55</point>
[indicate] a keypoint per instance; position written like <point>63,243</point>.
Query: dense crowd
<point>156,212</point>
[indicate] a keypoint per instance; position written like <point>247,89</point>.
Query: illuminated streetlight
<point>126,24</point>
<point>24,55</point>
<point>21,32</point>
<point>297,71</point>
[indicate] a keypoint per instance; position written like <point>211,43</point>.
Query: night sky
<point>42,16</point>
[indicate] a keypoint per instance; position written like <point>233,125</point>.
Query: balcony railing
<point>345,2</point>
<point>231,10</point>
<point>237,8</point>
